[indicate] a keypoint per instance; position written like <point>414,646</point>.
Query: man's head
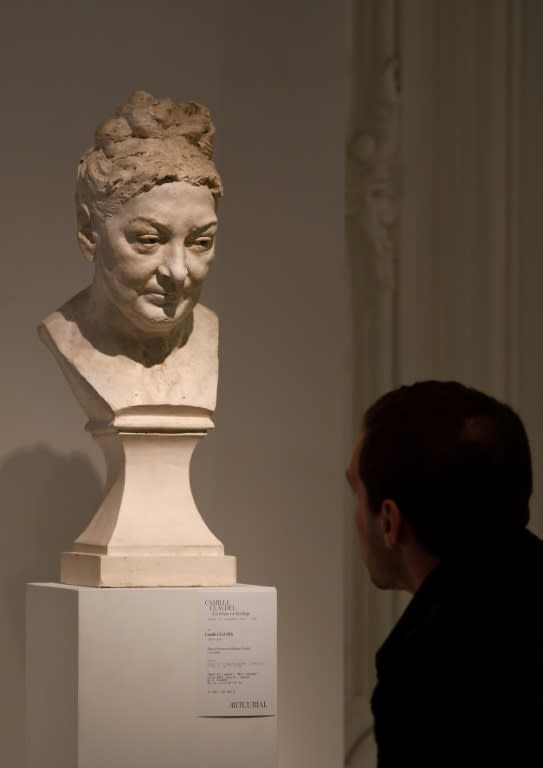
<point>443,471</point>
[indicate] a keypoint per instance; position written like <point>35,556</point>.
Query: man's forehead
<point>352,470</point>
<point>358,445</point>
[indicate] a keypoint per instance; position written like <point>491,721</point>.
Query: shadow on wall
<point>46,500</point>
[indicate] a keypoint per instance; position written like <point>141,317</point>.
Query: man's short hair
<point>456,462</point>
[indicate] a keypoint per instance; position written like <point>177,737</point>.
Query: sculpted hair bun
<point>148,142</point>
<point>144,117</point>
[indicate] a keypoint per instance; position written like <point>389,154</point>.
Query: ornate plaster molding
<point>373,174</point>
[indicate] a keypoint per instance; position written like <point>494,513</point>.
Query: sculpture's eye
<point>148,240</point>
<point>203,243</point>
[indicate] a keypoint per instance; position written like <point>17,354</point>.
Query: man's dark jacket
<point>460,678</point>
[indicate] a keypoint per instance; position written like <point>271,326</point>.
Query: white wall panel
<point>464,300</point>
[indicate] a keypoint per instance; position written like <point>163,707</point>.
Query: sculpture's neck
<point>109,330</point>
<point>155,350</point>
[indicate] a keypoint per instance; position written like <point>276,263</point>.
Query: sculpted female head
<point>146,200</point>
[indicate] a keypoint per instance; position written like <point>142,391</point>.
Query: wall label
<point>238,640</point>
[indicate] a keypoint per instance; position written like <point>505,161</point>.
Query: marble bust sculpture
<point>146,200</point>
<point>138,350</point>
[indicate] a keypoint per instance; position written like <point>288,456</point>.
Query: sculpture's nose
<point>174,265</point>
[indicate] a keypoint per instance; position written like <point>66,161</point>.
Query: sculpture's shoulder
<point>61,328</point>
<point>61,333</point>
<point>108,381</point>
<point>204,339</point>
<point>205,319</point>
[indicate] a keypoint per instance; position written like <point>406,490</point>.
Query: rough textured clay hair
<point>149,141</point>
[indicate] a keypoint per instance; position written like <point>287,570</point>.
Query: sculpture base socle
<point>92,570</point>
<point>148,531</point>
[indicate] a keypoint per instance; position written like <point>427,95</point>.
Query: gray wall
<point>269,480</point>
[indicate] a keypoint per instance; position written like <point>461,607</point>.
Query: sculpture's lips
<point>161,298</point>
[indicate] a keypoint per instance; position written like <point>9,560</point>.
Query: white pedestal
<point>114,679</point>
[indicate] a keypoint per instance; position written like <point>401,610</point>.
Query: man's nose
<point>174,265</point>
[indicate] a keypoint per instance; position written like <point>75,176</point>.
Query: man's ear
<point>392,522</point>
<point>86,235</point>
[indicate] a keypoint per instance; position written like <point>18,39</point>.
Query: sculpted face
<point>153,254</point>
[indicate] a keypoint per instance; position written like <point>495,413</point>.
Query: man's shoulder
<point>492,599</point>
<point>530,549</point>
<point>498,595</point>
<point>515,573</point>
<point>470,650</point>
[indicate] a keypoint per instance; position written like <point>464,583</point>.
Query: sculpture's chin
<point>151,316</point>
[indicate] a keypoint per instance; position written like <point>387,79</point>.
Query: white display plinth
<point>114,680</point>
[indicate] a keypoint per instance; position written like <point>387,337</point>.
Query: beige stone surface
<point>138,351</point>
<point>147,570</point>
